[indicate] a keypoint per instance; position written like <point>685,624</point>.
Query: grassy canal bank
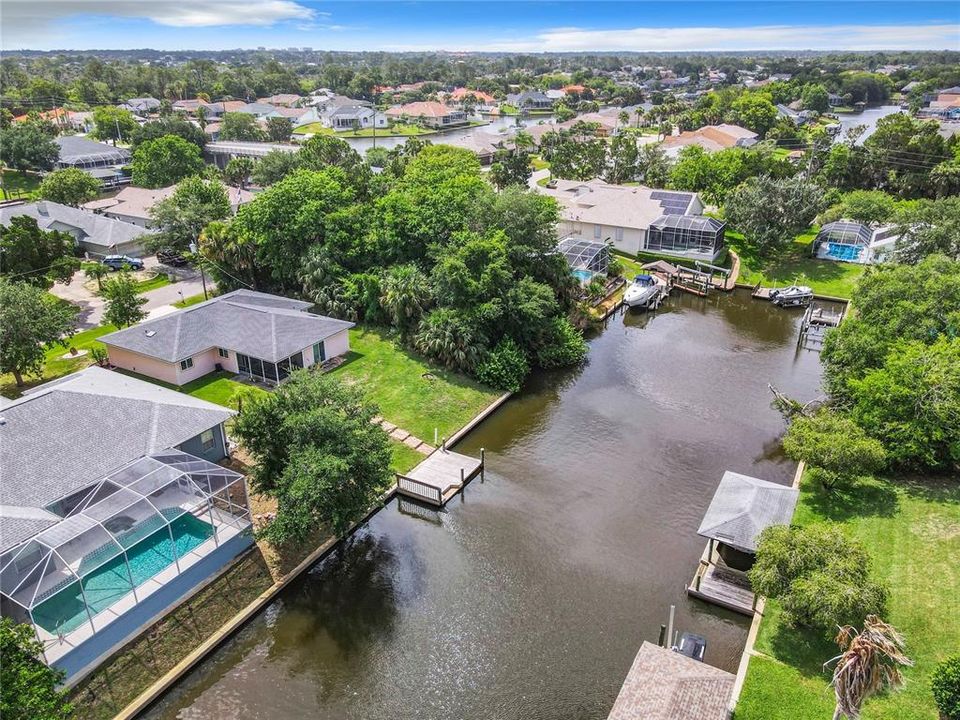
<point>911,527</point>
<point>411,393</point>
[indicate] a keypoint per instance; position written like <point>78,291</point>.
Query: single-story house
<point>134,204</point>
<point>480,98</point>
<point>348,117</point>
<point>289,100</point>
<point>250,333</point>
<point>606,124</point>
<point>80,121</point>
<point>850,241</point>
<point>637,218</point>
<point>711,138</point>
<point>141,106</point>
<point>483,145</point>
<point>530,100</point>
<point>257,109</point>
<point>112,509</point>
<point>432,114</point>
<point>93,233</point>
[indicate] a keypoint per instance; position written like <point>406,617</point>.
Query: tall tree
<point>124,302</point>
<point>510,168</point>
<point>169,125</point>
<point>279,129</point>
<point>31,255</point>
<point>27,146</point>
<point>70,186</point>
<point>165,161</point>
<point>28,687</point>
<point>240,126</point>
<point>29,320</point>
<point>317,452</point>
<point>181,217</point>
<point>113,123</point>
<point>929,227</point>
<point>274,166</point>
<point>770,212</point>
<point>238,171</point>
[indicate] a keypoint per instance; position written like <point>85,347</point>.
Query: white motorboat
<point>791,295</point>
<point>644,290</point>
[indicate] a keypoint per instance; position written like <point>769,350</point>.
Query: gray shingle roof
<point>269,327</point>
<point>75,149</point>
<point>93,228</point>
<point>744,506</point>
<point>65,435</point>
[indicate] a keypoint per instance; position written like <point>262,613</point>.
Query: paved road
<point>92,306</point>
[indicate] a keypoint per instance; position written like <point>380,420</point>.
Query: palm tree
<point>638,113</point>
<point>97,271</point>
<point>623,117</point>
<point>238,171</point>
<point>405,296</point>
<point>202,117</point>
<point>870,662</point>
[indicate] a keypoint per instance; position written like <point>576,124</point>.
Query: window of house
<point>186,364</point>
<point>597,232</point>
<point>223,353</point>
<point>618,234</point>
<point>207,440</point>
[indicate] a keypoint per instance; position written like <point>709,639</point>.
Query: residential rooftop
<point>96,229</point>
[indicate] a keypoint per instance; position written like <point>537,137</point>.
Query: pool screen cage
<point>124,531</point>
<point>583,254</point>
<point>686,234</point>
<point>844,232</point>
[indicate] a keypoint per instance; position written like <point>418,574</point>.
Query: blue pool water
<point>65,612</point>
<point>582,275</point>
<point>846,253</point>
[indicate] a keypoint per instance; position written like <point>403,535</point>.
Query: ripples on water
<point>528,596</point>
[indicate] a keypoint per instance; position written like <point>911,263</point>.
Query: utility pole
<point>203,278</point>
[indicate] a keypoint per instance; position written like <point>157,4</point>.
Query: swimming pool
<point>845,253</point>
<point>105,585</point>
<point>584,276</point>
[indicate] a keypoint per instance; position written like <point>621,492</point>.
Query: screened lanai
<point>127,535</point>
<point>842,240</point>
<point>585,256</point>
<point>686,234</point>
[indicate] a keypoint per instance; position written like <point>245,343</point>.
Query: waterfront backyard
<point>528,596</point>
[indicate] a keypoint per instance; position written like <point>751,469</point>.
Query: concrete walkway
<point>401,435</point>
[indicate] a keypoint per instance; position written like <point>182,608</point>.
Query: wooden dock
<point>440,476</point>
<point>817,321</point>
<point>761,293</point>
<point>720,585</point>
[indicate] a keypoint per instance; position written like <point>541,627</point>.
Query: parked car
<point>119,262</point>
<point>171,257</point>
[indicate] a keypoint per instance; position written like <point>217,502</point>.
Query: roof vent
<point>149,333</point>
<point>3,421</point>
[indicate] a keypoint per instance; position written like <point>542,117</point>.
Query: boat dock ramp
<point>440,476</point>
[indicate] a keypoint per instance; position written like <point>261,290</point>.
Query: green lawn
<point>153,283</point>
<point>405,458</point>
<point>189,300</point>
<point>912,530</point>
<point>56,365</point>
<point>411,393</point>
<point>539,163</point>
<point>826,277</point>
<point>17,185</point>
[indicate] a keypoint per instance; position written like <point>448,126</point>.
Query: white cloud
<point>769,37</point>
<point>33,18</point>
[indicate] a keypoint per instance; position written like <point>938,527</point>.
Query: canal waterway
<point>527,597</point>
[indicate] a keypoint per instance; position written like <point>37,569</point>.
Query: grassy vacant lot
<point>57,365</point>
<point>411,393</point>
<point>912,529</point>
<point>17,184</point>
<point>826,277</point>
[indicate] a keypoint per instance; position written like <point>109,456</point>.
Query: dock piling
<point>663,635</point>
<point>673,610</point>
<point>483,463</point>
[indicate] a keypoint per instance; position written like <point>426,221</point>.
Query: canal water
<point>867,118</point>
<point>527,597</point>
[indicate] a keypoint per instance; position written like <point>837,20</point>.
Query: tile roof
<point>269,327</point>
<point>743,507</point>
<point>713,137</point>
<point>421,109</point>
<point>665,685</point>
<point>64,435</point>
<point>95,229</point>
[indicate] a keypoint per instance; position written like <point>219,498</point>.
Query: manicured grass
<point>313,129</point>
<point>404,457</point>
<point>825,277</point>
<point>413,394</point>
<point>912,531</point>
<point>508,109</point>
<point>153,283</point>
<point>18,185</point>
<point>189,300</point>
<point>219,388</point>
<point>539,163</point>
<point>57,366</point>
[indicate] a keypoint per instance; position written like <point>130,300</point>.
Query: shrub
<point>505,367</point>
<point>946,688</point>
<point>563,345</point>
<point>835,446</point>
<point>820,576</point>
<point>28,688</point>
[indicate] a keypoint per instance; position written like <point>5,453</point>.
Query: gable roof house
<point>262,336</point>
<point>711,138</point>
<point>432,114</point>
<point>289,100</point>
<point>348,117</point>
<point>637,218</point>
<point>102,532</point>
<point>135,204</point>
<point>94,234</point>
<point>530,100</point>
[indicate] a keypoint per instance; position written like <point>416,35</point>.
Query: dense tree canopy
<point>169,125</point>
<point>165,161</point>
<point>113,123</point>
<point>28,146</point>
<point>35,256</point>
<point>770,212</point>
<point>181,217</point>
<point>70,186</point>
<point>29,320</point>
<point>28,687</point>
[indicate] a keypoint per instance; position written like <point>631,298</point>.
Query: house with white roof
<point>262,336</point>
<point>112,510</point>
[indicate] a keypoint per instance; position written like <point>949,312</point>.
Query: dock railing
<point>419,489</point>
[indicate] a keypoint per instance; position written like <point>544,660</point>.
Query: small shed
<point>742,508</point>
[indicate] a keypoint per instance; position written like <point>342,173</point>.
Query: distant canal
<point>868,118</point>
<point>528,598</point>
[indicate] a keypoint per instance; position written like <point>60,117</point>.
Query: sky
<point>518,26</point>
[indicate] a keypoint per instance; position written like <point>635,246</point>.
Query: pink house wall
<point>143,365</point>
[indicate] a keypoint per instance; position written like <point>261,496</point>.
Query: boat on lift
<point>644,290</point>
<point>791,296</point>
<point>692,646</point>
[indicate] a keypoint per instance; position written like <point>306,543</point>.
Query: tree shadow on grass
<point>868,497</point>
<point>803,649</point>
<point>937,489</point>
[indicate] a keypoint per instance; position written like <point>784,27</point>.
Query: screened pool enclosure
<point>586,258</point>
<point>694,235</point>
<point>121,540</point>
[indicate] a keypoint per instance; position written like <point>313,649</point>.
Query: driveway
<point>92,306</point>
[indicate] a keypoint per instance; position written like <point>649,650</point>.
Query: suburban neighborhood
<point>378,360</point>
